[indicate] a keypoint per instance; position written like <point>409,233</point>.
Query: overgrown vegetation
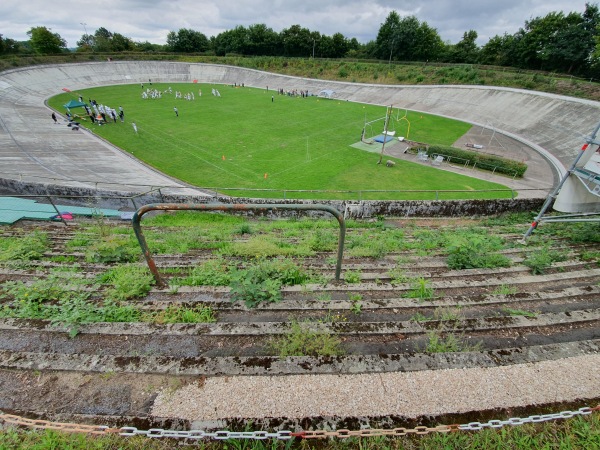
<point>18,250</point>
<point>304,341</point>
<point>540,260</point>
<point>261,281</point>
<point>475,251</point>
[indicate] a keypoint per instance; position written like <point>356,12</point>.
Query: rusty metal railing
<point>137,217</point>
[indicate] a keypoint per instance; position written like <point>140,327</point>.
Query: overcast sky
<point>151,20</point>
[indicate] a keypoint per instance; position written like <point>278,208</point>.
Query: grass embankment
<point>256,139</point>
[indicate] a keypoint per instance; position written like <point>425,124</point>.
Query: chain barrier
<point>196,435</point>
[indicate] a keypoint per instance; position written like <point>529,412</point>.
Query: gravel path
<point>407,394</point>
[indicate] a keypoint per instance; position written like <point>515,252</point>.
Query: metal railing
<point>137,217</point>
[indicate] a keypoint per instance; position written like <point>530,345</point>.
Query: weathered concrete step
<point>262,329</point>
<point>310,301</point>
<point>273,365</point>
<point>488,282</point>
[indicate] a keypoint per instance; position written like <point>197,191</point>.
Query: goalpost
<point>368,135</point>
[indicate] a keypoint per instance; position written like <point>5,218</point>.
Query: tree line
<point>557,42</point>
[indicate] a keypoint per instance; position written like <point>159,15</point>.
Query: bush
<point>474,252</point>
<point>127,282</point>
<point>488,162</point>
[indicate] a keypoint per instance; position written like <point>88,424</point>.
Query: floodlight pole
<point>385,128</point>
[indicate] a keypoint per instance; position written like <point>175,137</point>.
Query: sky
<point>151,20</point>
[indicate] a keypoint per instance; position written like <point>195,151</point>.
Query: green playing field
<point>250,138</point>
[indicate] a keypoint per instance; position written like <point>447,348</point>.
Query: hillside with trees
<point>557,43</point>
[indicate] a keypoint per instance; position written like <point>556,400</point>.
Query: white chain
<point>199,434</point>
<point>513,421</point>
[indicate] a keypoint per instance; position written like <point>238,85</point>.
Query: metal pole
<point>57,211</point>
<point>385,129</point>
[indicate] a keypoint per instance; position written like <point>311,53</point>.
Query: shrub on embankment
<point>481,160</point>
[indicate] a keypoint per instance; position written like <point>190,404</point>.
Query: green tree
<point>297,41</point>
<point>262,40</point>
<point>187,41</point>
<point>147,47</point>
<point>102,40</point>
<point>498,51</point>
<point>407,39</point>
<point>558,42</point>
<point>8,46</point>
<point>43,40</point>
<point>386,37</point>
<point>120,43</point>
<point>466,50</point>
<point>86,43</point>
<point>232,41</point>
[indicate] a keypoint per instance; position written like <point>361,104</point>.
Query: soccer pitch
<point>254,139</point>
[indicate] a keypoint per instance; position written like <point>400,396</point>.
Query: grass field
<point>256,139</point>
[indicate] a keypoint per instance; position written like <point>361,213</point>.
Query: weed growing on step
<point>352,276</point>
<point>127,281</point>
<point>420,289</point>
<point>244,229</point>
<point>75,312</point>
<point>590,256</point>
<point>215,272</point>
<point>447,313</point>
<point>475,251</point>
<point>505,289</point>
<point>58,285</point>
<point>302,341</point>
<point>324,297</point>
<point>438,342</point>
<point>16,251</point>
<point>418,317</point>
<point>62,299</point>
<point>182,314</point>
<point>398,276</point>
<point>262,281</point>
<point>113,249</point>
<point>264,247</point>
<point>323,240</point>
<point>355,299</point>
<point>540,260</point>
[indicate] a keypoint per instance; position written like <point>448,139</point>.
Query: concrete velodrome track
<point>32,149</point>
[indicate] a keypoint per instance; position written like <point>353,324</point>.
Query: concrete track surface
<point>34,150</point>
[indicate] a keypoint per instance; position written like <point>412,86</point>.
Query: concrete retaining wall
<point>129,201</point>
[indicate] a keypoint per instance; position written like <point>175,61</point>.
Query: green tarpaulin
<point>74,104</point>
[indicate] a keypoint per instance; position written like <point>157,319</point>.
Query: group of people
<point>293,92</point>
<point>103,113</point>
